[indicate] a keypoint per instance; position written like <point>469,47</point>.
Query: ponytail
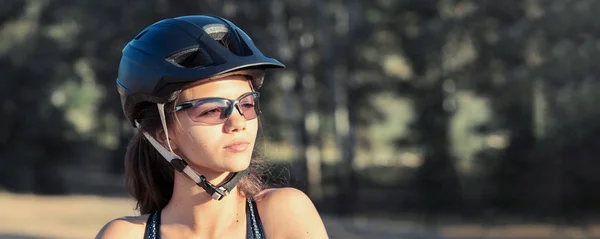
<point>149,177</point>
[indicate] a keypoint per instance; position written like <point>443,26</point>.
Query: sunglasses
<point>214,110</point>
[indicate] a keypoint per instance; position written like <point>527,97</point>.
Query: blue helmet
<point>173,52</point>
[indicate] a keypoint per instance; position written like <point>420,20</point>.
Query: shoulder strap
<point>254,224</point>
<point>153,226</point>
<point>259,222</point>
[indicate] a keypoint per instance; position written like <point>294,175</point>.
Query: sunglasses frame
<point>234,104</point>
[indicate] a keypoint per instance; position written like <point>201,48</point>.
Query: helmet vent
<point>227,38</point>
<point>190,58</point>
<point>216,31</point>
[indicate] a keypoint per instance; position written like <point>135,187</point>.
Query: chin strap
<point>217,192</point>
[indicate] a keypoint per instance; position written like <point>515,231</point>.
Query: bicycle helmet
<point>171,53</point>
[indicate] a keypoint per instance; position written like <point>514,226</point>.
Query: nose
<point>235,122</point>
<point>232,108</point>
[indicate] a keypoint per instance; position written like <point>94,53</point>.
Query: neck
<point>193,208</point>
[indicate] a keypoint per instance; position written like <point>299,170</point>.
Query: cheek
<point>194,139</point>
<point>252,126</point>
<point>202,140</point>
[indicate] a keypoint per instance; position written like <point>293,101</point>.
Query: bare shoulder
<point>289,213</point>
<point>125,228</point>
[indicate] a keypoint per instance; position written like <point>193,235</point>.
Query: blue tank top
<point>254,227</point>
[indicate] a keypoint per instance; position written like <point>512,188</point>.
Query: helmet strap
<point>217,192</point>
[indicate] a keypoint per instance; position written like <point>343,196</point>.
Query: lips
<point>238,146</point>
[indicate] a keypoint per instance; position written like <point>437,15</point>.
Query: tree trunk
<point>344,124</point>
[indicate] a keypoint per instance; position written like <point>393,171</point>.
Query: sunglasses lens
<point>209,111</point>
<point>216,111</point>
<point>247,107</point>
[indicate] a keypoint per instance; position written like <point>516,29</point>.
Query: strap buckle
<point>219,193</point>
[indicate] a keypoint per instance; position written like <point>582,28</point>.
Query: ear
<point>162,139</point>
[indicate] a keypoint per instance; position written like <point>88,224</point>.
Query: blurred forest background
<point>387,108</point>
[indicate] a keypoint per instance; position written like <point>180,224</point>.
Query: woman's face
<point>216,146</point>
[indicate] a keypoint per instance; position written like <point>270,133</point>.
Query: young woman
<point>189,85</point>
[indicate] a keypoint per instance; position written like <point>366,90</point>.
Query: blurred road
<point>75,217</point>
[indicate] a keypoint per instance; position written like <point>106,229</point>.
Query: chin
<point>237,163</point>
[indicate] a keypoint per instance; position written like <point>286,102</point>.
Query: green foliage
<point>478,102</point>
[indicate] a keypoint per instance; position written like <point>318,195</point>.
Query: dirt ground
<point>75,217</point>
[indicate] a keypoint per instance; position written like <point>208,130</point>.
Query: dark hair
<point>149,177</point>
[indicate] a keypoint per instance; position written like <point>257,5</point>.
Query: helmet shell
<point>173,52</point>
